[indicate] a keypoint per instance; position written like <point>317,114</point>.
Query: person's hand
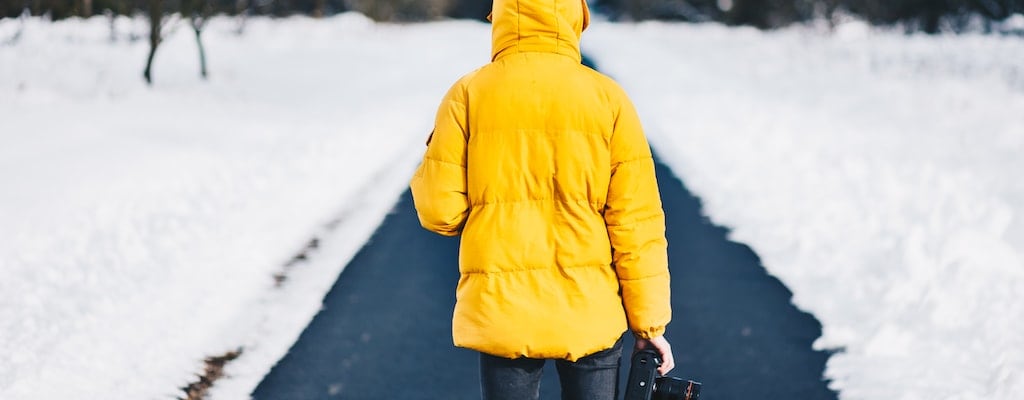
<point>660,345</point>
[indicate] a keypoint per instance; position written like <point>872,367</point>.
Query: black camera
<point>645,384</point>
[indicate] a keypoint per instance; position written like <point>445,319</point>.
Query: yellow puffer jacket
<point>543,167</point>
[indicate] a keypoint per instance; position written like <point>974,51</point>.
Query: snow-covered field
<point>142,228</point>
<point>877,175</point>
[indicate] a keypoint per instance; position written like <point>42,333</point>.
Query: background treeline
<point>383,10</point>
<point>924,15</point>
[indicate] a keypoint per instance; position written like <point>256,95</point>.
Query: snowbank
<point>877,175</point>
<point>142,228</point>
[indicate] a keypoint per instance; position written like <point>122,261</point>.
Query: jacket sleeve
<point>439,185</point>
<point>636,227</point>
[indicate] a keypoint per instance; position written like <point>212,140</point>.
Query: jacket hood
<point>550,26</point>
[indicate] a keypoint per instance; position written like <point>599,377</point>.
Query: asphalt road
<point>384,331</point>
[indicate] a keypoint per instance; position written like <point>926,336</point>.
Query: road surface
<point>384,331</point>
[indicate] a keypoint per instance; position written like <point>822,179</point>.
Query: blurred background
<point>925,15</point>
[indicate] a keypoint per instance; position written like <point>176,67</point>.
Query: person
<point>542,166</point>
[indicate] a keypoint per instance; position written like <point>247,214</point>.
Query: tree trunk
<point>112,19</point>
<point>318,8</point>
<point>242,9</point>
<point>932,17</point>
<point>156,14</point>
<point>198,29</point>
<point>198,12</point>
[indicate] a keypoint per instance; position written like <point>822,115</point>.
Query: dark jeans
<point>594,377</point>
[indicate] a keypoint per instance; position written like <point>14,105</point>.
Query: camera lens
<point>672,388</point>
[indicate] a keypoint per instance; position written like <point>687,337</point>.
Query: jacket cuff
<point>650,333</point>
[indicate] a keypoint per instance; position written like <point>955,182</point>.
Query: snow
<point>876,174</point>
<point>142,227</point>
<point>1015,23</point>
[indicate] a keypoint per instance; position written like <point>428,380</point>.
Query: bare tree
<point>242,8</point>
<point>198,13</point>
<point>318,8</point>
<point>401,10</point>
<point>11,41</point>
<point>84,8</point>
<point>156,17</point>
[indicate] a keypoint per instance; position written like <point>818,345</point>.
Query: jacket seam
<point>588,202</point>
<point>658,275</point>
<point>528,269</point>
<point>639,221</point>
<point>444,161</point>
<point>463,108</point>
<point>582,132</point>
<point>467,81</point>
<point>558,28</point>
<point>633,160</point>
<point>519,25</point>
